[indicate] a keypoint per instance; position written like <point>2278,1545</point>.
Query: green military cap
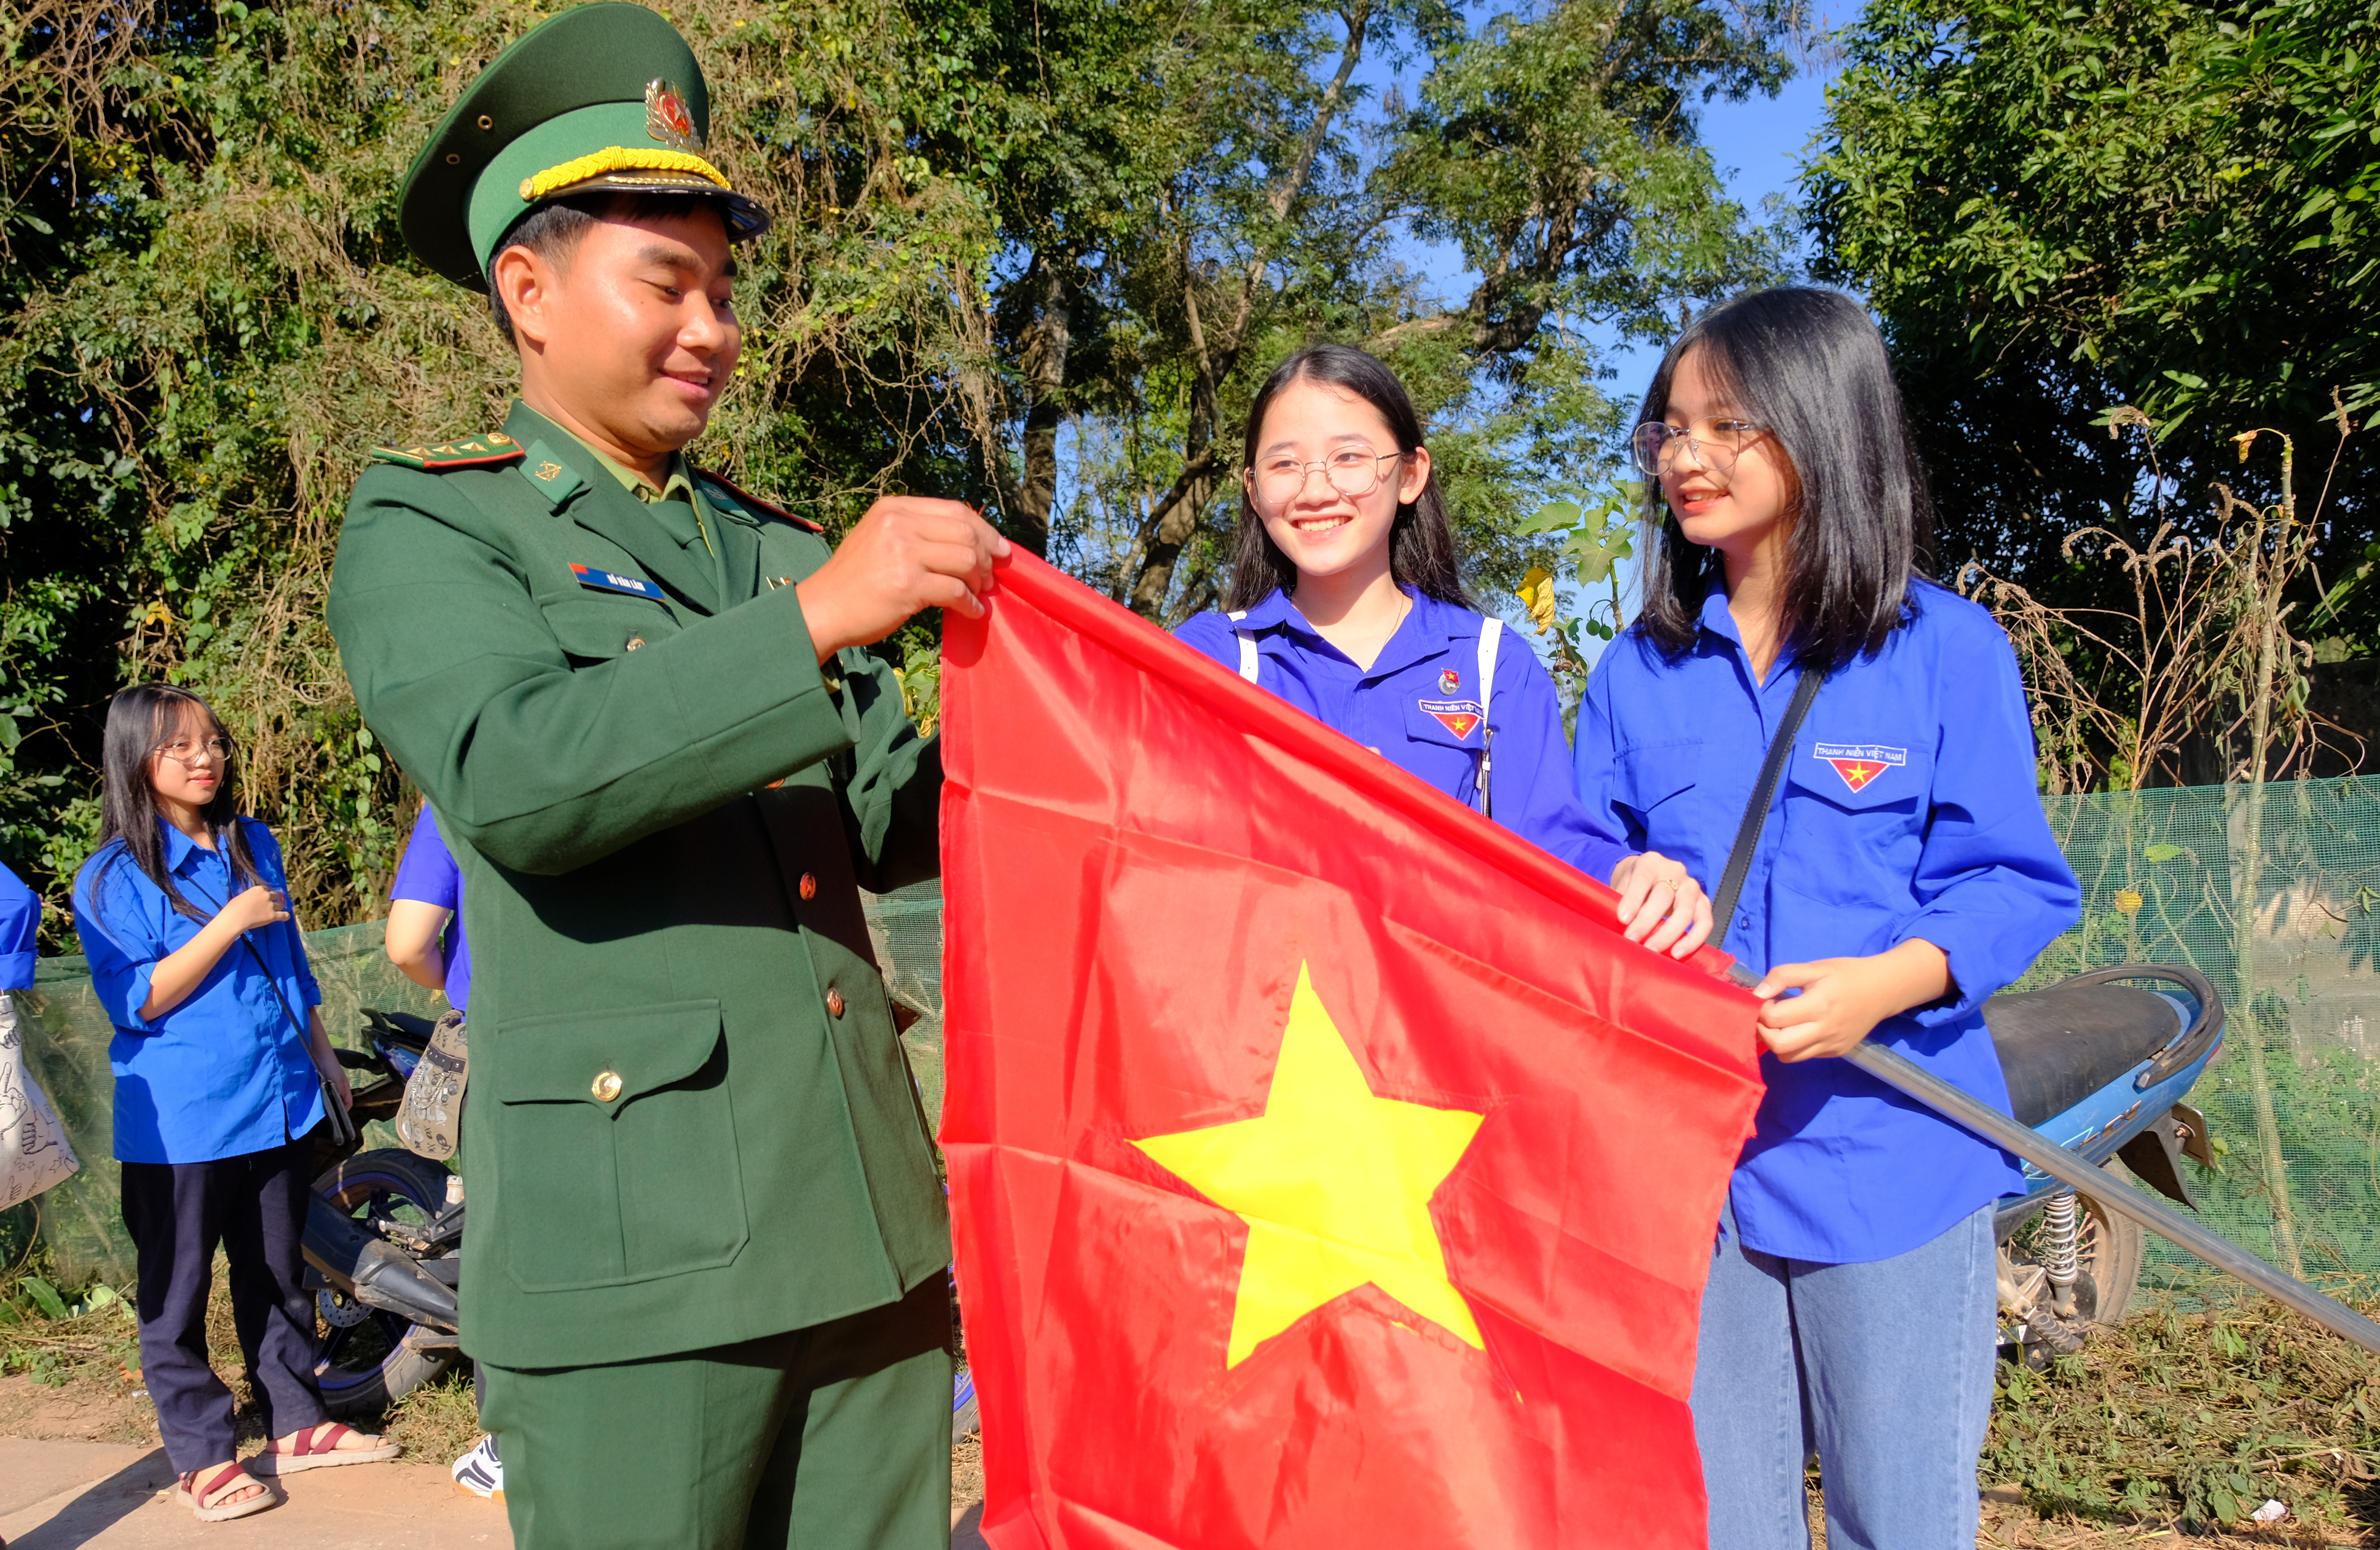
<point>605,96</point>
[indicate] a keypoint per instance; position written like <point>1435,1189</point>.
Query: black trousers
<point>255,1206</point>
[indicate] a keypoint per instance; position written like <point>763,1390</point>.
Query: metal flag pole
<point>1891,1066</point>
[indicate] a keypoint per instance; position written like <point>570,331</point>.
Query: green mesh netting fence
<point>2278,896</point>
<point>906,927</point>
<point>67,1036</point>
<point>2273,898</point>
<point>66,1044</point>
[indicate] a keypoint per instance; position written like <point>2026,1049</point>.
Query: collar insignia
<point>666,119</point>
<point>1859,763</point>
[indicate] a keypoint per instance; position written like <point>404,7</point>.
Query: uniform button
<point>607,1086</point>
<point>809,886</point>
<point>635,642</point>
<point>834,1003</point>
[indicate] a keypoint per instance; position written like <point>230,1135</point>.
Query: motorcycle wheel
<point>361,1357</point>
<point>2108,1251</point>
<point>2112,1248</point>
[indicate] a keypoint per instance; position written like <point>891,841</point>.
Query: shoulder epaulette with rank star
<point>478,452</point>
<point>767,507</point>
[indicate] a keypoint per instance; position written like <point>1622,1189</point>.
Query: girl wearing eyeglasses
<point>1346,600</point>
<point>184,916</point>
<point>1901,874</point>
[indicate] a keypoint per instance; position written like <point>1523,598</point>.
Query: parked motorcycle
<point>2101,1066</point>
<point>383,1243</point>
<point>2092,1062</point>
<point>384,1248</point>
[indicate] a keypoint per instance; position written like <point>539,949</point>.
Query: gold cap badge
<point>666,119</point>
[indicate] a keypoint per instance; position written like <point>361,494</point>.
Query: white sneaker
<point>480,1472</point>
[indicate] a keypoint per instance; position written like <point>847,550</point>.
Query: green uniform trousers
<point>833,1437</point>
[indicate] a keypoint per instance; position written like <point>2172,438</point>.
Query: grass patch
<point>436,1422</point>
<point>2196,1411</point>
<point>56,1336</point>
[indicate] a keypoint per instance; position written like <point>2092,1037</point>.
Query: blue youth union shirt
<point>428,875</point>
<point>1909,810</point>
<point>21,924</point>
<point>1417,705</point>
<point>221,1073</point>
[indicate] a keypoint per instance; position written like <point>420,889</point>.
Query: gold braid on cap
<point>619,158</point>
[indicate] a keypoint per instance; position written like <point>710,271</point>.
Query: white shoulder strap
<point>1491,635</point>
<point>1247,646</point>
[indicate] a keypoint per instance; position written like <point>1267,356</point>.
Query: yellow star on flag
<point>1334,1184</point>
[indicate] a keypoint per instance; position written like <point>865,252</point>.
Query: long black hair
<point>141,721</point>
<point>1807,366</point>
<point>1421,541</point>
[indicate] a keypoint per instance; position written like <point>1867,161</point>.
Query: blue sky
<point>1760,145</point>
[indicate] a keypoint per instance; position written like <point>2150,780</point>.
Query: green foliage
<point>212,319</point>
<point>2058,208</point>
<point>1556,150</point>
<point>52,1338</point>
<point>2289,1101</point>
<point>1033,255</point>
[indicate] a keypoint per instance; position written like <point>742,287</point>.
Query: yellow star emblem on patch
<point>1334,1184</point>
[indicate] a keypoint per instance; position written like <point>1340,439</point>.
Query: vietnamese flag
<point>1325,1169</point>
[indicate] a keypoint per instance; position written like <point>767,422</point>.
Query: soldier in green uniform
<point>707,1242</point>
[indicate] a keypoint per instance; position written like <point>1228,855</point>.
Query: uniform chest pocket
<point>1450,720</point>
<point>615,1146</point>
<point>1645,777</point>
<point>1856,809</point>
<point>1875,774</point>
<point>597,629</point>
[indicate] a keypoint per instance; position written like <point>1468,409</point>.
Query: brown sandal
<point>207,1500</point>
<point>317,1448</point>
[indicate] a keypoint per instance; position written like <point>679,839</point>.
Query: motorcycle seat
<point>2059,1045</point>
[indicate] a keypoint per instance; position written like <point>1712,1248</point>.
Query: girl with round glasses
<point>1345,599</point>
<point>223,1069</point>
<point>1898,873</point>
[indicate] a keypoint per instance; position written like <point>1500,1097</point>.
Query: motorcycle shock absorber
<point>2056,1250</point>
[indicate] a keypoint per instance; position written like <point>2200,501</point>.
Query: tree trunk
<point>1045,380</point>
<point>1173,520</point>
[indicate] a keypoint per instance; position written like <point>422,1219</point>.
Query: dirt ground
<point>87,1409</point>
<point>93,1406</point>
<point>92,1393</point>
<point>434,1423</point>
<point>2014,1528</point>
<point>2294,1405</point>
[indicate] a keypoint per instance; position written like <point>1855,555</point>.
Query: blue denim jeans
<point>1885,1370</point>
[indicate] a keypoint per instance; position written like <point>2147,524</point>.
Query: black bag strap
<point>343,1127</point>
<point>1764,797</point>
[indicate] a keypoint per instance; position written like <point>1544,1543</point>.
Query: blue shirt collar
<point>1274,609</point>
<point>180,846</point>
<point>1426,632</point>
<point>1716,619</point>
<point>1719,622</point>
